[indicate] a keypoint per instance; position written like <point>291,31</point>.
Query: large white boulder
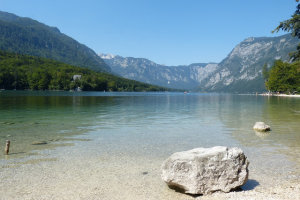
<point>206,170</point>
<point>261,126</point>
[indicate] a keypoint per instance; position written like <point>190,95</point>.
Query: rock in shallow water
<point>206,170</point>
<point>261,126</point>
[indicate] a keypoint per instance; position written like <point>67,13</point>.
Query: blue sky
<point>170,32</point>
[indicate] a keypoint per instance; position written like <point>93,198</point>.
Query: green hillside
<point>26,36</point>
<point>29,72</point>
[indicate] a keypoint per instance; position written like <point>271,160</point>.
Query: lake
<point>111,145</point>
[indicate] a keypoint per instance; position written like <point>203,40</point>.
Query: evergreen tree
<point>265,72</point>
<point>292,25</point>
<point>283,76</point>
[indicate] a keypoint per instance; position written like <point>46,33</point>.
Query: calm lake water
<point>141,129</point>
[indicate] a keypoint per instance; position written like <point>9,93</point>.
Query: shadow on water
<point>250,185</point>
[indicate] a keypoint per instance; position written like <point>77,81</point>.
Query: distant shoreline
<point>280,95</point>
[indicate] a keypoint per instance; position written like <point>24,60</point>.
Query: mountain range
<point>141,69</point>
<point>240,71</point>
<point>23,35</point>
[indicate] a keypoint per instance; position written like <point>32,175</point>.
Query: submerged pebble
<point>39,143</point>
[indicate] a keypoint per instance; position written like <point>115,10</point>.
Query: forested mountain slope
<point>27,36</point>
<point>23,72</point>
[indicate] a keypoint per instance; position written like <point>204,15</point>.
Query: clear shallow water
<point>143,129</point>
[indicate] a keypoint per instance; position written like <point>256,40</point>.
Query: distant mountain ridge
<point>240,71</point>
<point>141,69</point>
<point>27,36</point>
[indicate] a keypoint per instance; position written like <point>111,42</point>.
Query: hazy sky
<point>170,32</point>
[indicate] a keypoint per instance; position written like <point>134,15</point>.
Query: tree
<point>265,72</point>
<point>284,77</point>
<point>292,25</point>
<point>29,72</point>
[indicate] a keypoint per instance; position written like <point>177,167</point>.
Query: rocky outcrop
<point>261,126</point>
<point>206,170</point>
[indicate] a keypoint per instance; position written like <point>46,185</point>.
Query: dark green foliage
<point>284,77</point>
<point>292,25</point>
<point>295,55</point>
<point>27,36</point>
<point>265,72</point>
<point>28,72</point>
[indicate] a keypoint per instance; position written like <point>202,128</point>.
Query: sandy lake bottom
<point>112,147</point>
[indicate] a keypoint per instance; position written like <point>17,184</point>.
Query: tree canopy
<point>292,25</point>
<point>284,77</point>
<point>29,72</point>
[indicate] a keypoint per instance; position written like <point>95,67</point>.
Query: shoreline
<point>102,176</point>
<point>280,95</point>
